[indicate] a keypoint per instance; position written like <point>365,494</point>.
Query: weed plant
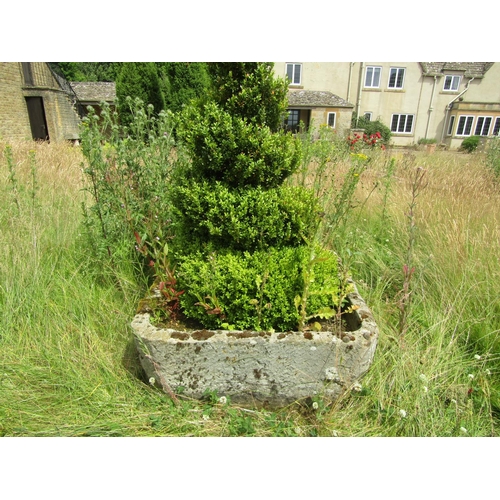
<point>69,366</point>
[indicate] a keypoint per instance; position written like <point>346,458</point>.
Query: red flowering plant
<point>357,142</point>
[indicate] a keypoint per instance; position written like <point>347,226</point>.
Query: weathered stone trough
<point>260,368</point>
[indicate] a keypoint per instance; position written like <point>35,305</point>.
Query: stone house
<point>317,107</point>
<point>37,103</point>
<point>94,94</point>
<point>444,101</point>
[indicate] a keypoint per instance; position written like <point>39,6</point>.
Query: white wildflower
<point>488,371</point>
<point>454,401</point>
<point>223,400</point>
<point>422,377</point>
<point>476,356</point>
<point>357,387</point>
<point>402,413</point>
<point>152,380</point>
<point>315,405</point>
<point>471,376</point>
<point>426,389</point>
<point>463,430</point>
<point>205,417</point>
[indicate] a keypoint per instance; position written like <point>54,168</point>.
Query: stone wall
<point>14,121</point>
<point>62,118</point>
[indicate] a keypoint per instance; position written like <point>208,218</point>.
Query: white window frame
<point>293,125</point>
<point>330,113</point>
<point>452,79</point>
<point>374,70</point>
<point>295,75</point>
<point>482,122</point>
<point>496,127</point>
<point>467,119</point>
<point>451,125</point>
<point>402,121</point>
<point>396,78</point>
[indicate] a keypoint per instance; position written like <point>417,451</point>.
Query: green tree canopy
<point>183,81</point>
<point>138,80</point>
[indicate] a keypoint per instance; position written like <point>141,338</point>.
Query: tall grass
<point>68,366</point>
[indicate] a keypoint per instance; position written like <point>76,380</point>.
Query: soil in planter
<point>348,322</point>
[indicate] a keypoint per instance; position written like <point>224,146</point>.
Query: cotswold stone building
<point>441,101</point>
<point>37,103</point>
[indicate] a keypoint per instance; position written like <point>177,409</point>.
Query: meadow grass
<point>68,365</point>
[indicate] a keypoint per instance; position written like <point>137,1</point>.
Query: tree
<point>89,71</point>
<point>138,81</point>
<point>182,81</point>
<point>241,232</point>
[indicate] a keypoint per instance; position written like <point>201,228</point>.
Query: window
<point>28,73</point>
<point>368,116</point>
<point>450,126</point>
<point>496,128</point>
<point>294,73</point>
<point>402,124</point>
<point>292,121</point>
<point>464,125</point>
<point>451,83</point>
<point>483,125</point>
<point>331,120</point>
<point>396,77</point>
<point>372,78</point>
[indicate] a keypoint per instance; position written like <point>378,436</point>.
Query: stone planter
<point>258,369</point>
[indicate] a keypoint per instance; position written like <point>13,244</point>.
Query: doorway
<point>38,122</point>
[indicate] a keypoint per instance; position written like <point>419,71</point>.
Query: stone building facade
<point>36,103</point>
<point>440,101</point>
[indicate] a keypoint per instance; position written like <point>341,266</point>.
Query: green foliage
<point>372,127</point>
<point>245,218</point>
<point>254,290</point>
<point>138,81</point>
<point>423,140</point>
<point>493,156</point>
<point>251,91</point>
<point>470,144</point>
<point>182,82</point>
<point>69,366</point>
<point>232,201</point>
<point>129,182</point>
<point>230,149</point>
<point>89,71</point>
<point>334,190</point>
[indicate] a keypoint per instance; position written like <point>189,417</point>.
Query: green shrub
<point>138,80</point>
<point>244,240</point>
<point>129,180</point>
<point>470,144</point>
<point>372,127</point>
<point>493,156</point>
<point>244,218</point>
<point>250,91</point>
<point>254,290</point>
<point>229,149</point>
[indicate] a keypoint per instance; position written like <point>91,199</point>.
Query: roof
<point>470,69</point>
<point>316,98</point>
<point>94,92</point>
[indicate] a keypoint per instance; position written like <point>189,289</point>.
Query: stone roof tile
<point>470,69</point>
<point>316,98</point>
<point>94,92</point>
